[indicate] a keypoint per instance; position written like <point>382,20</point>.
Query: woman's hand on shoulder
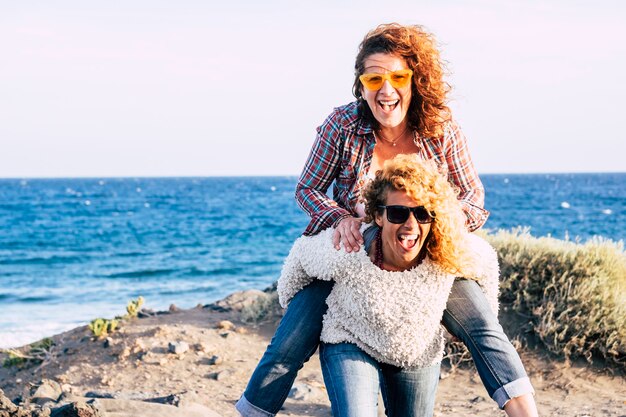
<point>348,232</point>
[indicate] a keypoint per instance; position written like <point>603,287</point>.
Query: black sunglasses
<point>400,214</point>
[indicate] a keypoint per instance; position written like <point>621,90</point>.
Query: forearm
<point>463,175</point>
<point>323,211</point>
<point>472,202</point>
<point>321,169</point>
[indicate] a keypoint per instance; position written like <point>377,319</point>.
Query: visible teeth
<point>408,237</point>
<point>389,102</point>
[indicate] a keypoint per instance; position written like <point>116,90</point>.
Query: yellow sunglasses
<point>397,79</point>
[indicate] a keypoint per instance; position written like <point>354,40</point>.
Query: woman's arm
<point>463,175</point>
<point>320,170</point>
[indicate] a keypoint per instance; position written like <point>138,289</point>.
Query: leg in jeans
<point>469,317</point>
<point>294,342</point>
<point>409,391</point>
<point>353,379</point>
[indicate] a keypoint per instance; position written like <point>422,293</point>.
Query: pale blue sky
<point>156,88</point>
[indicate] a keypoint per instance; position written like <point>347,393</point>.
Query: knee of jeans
<point>475,327</point>
<point>292,350</point>
<point>486,322</point>
<point>299,331</point>
<point>479,318</point>
<point>311,301</point>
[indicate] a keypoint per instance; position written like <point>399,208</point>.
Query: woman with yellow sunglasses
<point>400,108</point>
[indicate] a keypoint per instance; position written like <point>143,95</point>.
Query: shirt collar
<point>356,123</point>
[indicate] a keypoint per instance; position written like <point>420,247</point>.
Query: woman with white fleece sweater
<point>382,327</point>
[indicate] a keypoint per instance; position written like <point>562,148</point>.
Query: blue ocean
<point>75,249</point>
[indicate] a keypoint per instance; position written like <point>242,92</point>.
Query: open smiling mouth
<point>408,242</point>
<point>388,105</point>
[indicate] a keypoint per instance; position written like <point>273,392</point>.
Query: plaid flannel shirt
<point>342,153</point>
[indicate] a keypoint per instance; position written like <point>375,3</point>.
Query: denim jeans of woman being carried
<point>353,380</point>
<point>467,317</point>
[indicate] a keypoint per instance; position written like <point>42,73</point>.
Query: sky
<point>206,88</point>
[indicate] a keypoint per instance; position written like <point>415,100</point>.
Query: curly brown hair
<point>427,186</point>
<point>428,110</point>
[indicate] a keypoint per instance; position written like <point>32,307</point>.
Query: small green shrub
<point>103,327</point>
<point>14,358</point>
<point>133,307</point>
<point>34,353</point>
<point>573,294</point>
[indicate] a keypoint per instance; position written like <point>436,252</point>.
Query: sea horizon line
<point>115,177</point>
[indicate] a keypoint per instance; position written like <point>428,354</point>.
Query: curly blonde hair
<point>428,110</point>
<point>424,183</point>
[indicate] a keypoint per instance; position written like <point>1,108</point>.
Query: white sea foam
<point>48,320</point>
<point>27,334</point>
<point>565,205</point>
<point>607,211</point>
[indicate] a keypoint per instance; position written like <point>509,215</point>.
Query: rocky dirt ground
<point>197,362</point>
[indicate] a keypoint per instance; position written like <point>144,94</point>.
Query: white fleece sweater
<point>393,316</point>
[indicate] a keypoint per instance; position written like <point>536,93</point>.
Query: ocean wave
<point>143,273</point>
<point>131,254</point>
<point>201,290</point>
<point>14,298</point>
<point>44,260</point>
<point>189,272</point>
<point>200,272</point>
<point>36,299</point>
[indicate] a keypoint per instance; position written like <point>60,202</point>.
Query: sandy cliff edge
<point>198,361</point>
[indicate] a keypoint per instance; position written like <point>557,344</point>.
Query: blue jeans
<point>467,316</point>
<point>353,379</point>
<point>294,342</point>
